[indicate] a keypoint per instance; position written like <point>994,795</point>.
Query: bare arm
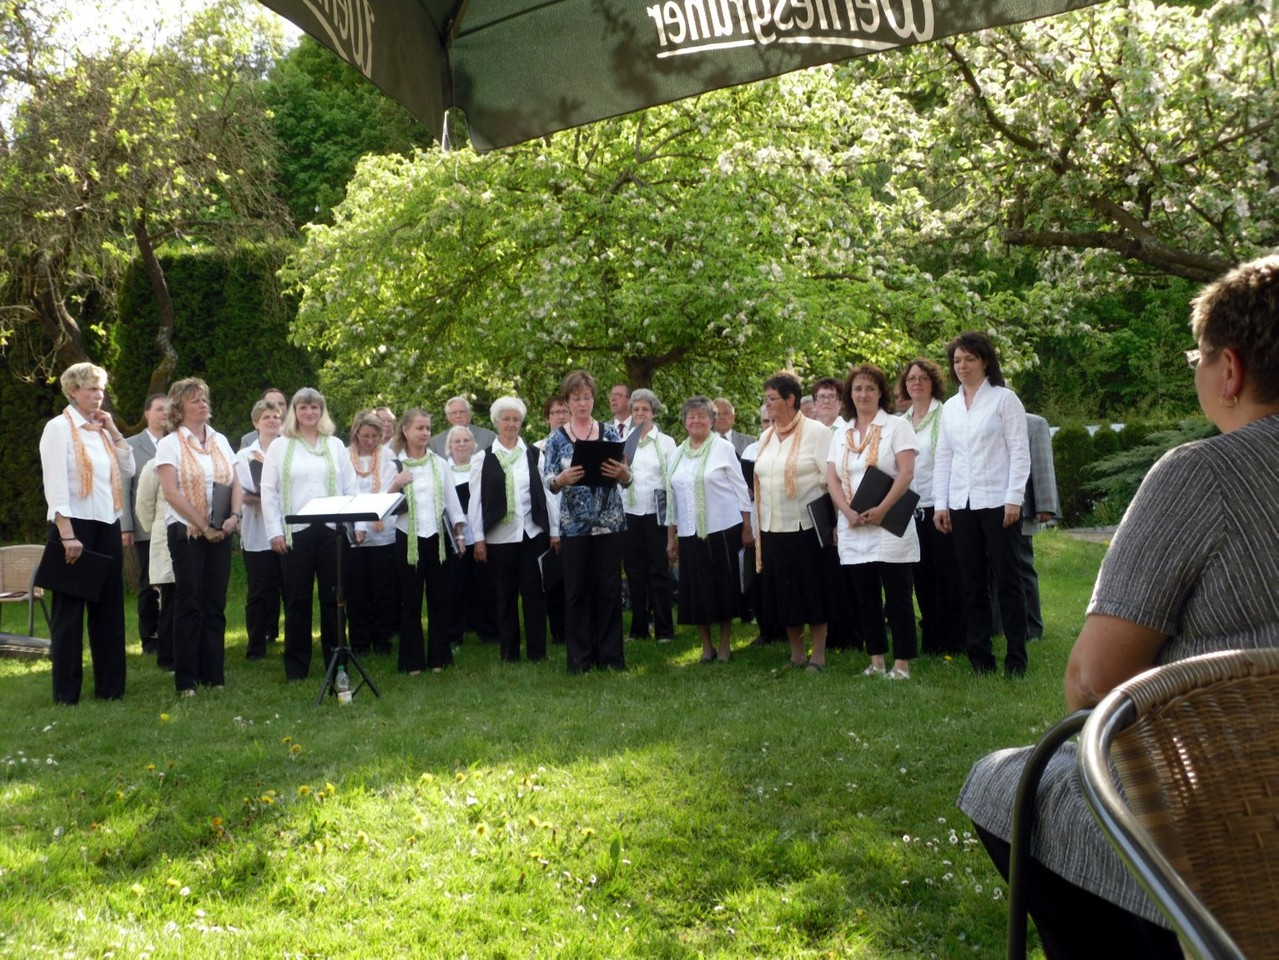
<point>1108,652</point>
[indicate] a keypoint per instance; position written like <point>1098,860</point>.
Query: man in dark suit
<point>725,417</point>
<point>458,413</point>
<point>143,444</point>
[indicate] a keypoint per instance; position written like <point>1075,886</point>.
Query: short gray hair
<point>644,395</point>
<point>82,375</point>
<point>507,403</point>
<point>698,402</point>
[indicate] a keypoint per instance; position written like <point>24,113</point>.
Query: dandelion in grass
<point>286,739</point>
<point>481,829</point>
<point>460,777</point>
<point>138,889</point>
<point>173,883</point>
<point>164,718</point>
<point>304,790</point>
<point>150,767</point>
<point>587,832</point>
<point>295,749</point>
<point>329,789</point>
<point>425,778</point>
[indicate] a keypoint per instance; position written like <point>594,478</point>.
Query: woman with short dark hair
<point>373,613</point>
<point>979,483</point>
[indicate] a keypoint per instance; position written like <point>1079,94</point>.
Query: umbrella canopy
<point>520,69</point>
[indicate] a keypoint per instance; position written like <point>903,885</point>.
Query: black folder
<point>591,454</point>
<point>822,512</point>
<point>871,492</point>
<point>552,569</point>
<point>220,508</point>
<point>84,579</point>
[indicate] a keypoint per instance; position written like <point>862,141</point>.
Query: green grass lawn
<point>676,810</point>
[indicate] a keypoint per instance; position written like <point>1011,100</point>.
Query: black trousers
<point>426,578</point>
<point>310,561</point>
<point>884,589</point>
<point>265,573</point>
<point>942,625</point>
<point>148,597</point>
<point>843,621</point>
<point>201,572</point>
<point>593,601</point>
<point>648,571</point>
<point>468,599</point>
<point>987,549</point>
<point>105,616</point>
<point>1074,923</point>
<point>164,626</point>
<point>555,612</point>
<point>1030,585</point>
<point>517,579</point>
<point>373,616</point>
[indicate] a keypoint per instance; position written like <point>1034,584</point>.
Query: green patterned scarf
<point>508,459</point>
<point>699,484</point>
<point>412,498</point>
<point>661,463</point>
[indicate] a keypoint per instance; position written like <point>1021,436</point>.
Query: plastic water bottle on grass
<point>343,686</point>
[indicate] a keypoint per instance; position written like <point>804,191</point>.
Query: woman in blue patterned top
<point>591,523</point>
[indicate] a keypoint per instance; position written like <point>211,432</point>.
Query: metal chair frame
<point>23,559</point>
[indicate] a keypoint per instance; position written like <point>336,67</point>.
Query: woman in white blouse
<point>936,575</point>
<point>979,483</point>
<point>307,462</point>
<point>262,565</point>
<point>85,460</point>
<point>790,473</point>
<point>876,564</point>
<point>711,524</point>
<point>514,521</point>
<point>648,571</point>
<point>434,515</point>
<point>190,460</point>
<point>371,575</point>
<point>149,512</point>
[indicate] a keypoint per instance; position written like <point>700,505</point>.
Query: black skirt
<point>794,578</point>
<point>710,577</point>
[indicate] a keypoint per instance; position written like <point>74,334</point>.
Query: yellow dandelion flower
<point>329,788</point>
<point>164,718</point>
<point>174,884</point>
<point>460,777</point>
<point>296,748</point>
<point>361,837</point>
<point>481,829</point>
<point>139,889</point>
<point>150,767</point>
<point>319,846</point>
<point>217,822</point>
<point>286,740</point>
<point>267,799</point>
<point>304,790</point>
<point>588,832</point>
<point>425,778</point>
<point>534,822</point>
<point>119,794</point>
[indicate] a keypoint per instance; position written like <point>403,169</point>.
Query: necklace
<point>573,431</point>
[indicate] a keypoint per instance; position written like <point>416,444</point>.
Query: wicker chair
<point>1195,746</point>
<point>17,573</point>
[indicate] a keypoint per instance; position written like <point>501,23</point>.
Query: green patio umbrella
<point>520,69</point>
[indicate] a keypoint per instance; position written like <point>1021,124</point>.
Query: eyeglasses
<point>1193,357</point>
<point>922,378</point>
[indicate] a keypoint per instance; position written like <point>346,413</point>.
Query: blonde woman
<point>434,514</point>
<point>85,460</point>
<point>373,612</point>
<point>189,461</point>
<point>307,462</point>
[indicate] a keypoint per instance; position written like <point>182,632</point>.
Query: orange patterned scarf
<point>789,473</point>
<point>854,449</point>
<point>84,465</point>
<point>192,473</point>
<point>375,469</point>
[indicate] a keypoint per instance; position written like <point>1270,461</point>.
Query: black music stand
<point>341,511</point>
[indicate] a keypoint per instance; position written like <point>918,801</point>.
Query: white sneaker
<point>874,671</point>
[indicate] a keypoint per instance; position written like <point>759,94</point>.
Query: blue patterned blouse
<point>584,511</point>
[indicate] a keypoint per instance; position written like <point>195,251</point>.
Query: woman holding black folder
<point>592,519</point>
<point>195,466</point>
<point>85,459</point>
<point>875,562</point>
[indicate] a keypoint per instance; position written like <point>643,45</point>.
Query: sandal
<point>874,670</point>
<point>814,667</point>
<point>898,674</point>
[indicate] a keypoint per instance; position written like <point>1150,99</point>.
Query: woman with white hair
<point>514,522</point>
<point>648,570</point>
<point>307,462</point>
<point>85,460</point>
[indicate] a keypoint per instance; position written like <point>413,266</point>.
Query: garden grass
<point>498,810</point>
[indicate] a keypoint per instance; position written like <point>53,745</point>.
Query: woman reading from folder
<point>307,462</point>
<point>192,461</point>
<point>876,563</point>
<point>85,459</point>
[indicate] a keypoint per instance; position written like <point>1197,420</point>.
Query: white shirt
<point>647,473</point>
<point>983,455</point>
<point>308,479</point>
<point>168,452</point>
<point>364,484</point>
<point>726,495</point>
<point>623,427</point>
<point>922,482</point>
<point>425,492</point>
<point>777,512</point>
<point>253,538</point>
<point>872,543</point>
<point>62,473</point>
<point>511,531</point>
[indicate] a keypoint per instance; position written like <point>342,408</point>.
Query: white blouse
<point>646,471</point>
<point>253,538</point>
<point>983,456</point>
<point>777,512</point>
<point>872,543</point>
<point>168,452</point>
<point>308,479</point>
<point>522,523</point>
<point>427,493</point>
<point>364,484</point>
<point>62,473</point>
<point>726,495</point>
<point>922,482</point>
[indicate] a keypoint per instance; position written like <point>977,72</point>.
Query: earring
<point>1232,401</point>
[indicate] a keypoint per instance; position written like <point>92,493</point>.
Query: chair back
<point>1195,811</point>
<point>17,572</point>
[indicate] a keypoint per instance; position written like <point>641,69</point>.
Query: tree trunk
<point>164,370</point>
